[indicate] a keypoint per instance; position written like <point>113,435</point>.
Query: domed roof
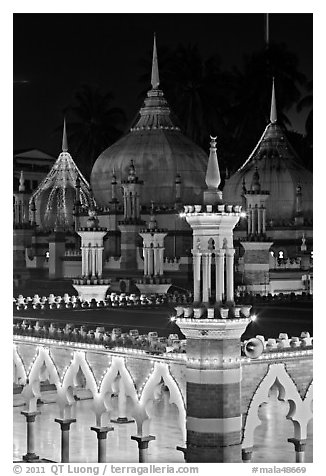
<point>55,197</point>
<point>159,151</point>
<point>279,171</point>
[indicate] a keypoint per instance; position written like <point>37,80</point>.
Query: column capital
<point>229,251</point>
<point>102,431</point>
<point>30,416</point>
<point>183,450</point>
<point>299,445</point>
<point>143,440</point>
<point>65,424</point>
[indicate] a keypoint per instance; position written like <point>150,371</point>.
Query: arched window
<point>281,254</point>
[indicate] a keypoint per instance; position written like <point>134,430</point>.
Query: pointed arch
<point>276,374</point>
<point>19,369</point>
<point>162,370</point>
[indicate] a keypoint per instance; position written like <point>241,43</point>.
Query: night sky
<point>55,53</point>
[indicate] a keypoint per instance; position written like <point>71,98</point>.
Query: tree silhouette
<point>250,110</point>
<point>93,124</point>
<point>307,102</point>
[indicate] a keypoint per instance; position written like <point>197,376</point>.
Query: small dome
<point>279,173</point>
<point>55,197</point>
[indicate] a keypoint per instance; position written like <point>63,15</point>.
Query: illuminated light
<point>243,214</point>
<point>254,317</point>
<point>173,318</point>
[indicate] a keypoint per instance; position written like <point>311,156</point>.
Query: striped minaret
<point>214,421</point>
<point>213,326</point>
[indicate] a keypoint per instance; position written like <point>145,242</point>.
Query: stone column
<point>65,427</point>
<point>219,272</point>
<point>246,455</point>
<point>100,261</point>
<point>249,220</point>
<point>264,220</point>
<point>161,260</point>
<point>259,211</point>
<point>30,456</point>
<point>299,446</point>
<point>229,275</point>
<point>151,261</point>
<point>122,407</point>
<point>205,278</point>
<point>197,275</point>
<point>213,383</point>
<point>143,446</point>
<point>101,432</point>
<point>145,250</point>
<point>253,220</point>
<point>156,260</point>
<point>93,267</point>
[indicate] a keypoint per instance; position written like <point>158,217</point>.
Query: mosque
<point>147,176</point>
<point>153,217</point>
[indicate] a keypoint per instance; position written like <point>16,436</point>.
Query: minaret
<point>213,326</point>
<point>256,244</point>
<point>298,218</point>
<point>153,253</point>
<point>90,285</point>
<point>22,235</point>
<point>130,225</point>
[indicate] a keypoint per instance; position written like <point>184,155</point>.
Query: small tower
<point>130,225</point>
<point>91,284</point>
<point>153,252</point>
<point>298,217</point>
<point>23,230</point>
<point>213,327</point>
<point>256,244</point>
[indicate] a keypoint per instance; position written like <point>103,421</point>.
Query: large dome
<point>159,151</point>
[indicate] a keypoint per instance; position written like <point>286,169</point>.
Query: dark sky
<point>56,53</point>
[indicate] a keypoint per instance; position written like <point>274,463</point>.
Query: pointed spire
<point>213,178</point>
<point>155,79</point>
<point>273,115</point>
<point>152,224</point>
<point>64,137</point>
<point>21,187</point>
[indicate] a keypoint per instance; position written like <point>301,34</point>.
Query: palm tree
<point>250,109</point>
<point>307,102</point>
<point>93,125</point>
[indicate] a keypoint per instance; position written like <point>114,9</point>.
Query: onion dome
<point>279,173</point>
<point>160,151</point>
<point>55,196</point>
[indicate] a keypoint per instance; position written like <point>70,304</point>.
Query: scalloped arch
<point>298,414</point>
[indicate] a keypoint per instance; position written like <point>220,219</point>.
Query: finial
<point>64,137</point>
<point>155,79</point>
<point>132,172</point>
<point>299,188</point>
<point>273,114</point>
<point>255,185</point>
<point>178,179</point>
<point>213,178</point>
<point>21,187</point>
<point>77,182</point>
<point>244,189</point>
<point>152,225</point>
<point>114,178</point>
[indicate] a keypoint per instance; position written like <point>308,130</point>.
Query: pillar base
<point>184,451</point>
<point>30,457</point>
<point>122,420</point>
<point>246,455</point>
